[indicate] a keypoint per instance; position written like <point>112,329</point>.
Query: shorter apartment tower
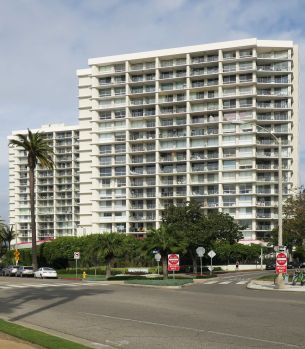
<point>57,190</point>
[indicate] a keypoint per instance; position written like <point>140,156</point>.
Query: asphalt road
<point>223,315</point>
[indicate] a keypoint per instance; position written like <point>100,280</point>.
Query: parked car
<point>10,270</point>
<point>302,265</point>
<point>25,271</point>
<point>45,272</point>
<point>270,266</point>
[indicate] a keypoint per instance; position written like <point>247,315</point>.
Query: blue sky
<point>44,42</point>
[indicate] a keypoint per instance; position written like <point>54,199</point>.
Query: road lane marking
<point>225,283</point>
<point>176,327</point>
<point>211,282</point>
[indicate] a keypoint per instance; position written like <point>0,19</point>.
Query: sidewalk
<point>269,286</point>
<point>9,342</point>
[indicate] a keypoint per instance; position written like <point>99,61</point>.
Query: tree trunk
<point>33,218</point>
<point>194,261</point>
<point>108,268</point>
<point>164,267</point>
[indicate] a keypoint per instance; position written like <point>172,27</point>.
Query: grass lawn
<point>37,337</point>
<point>168,282</point>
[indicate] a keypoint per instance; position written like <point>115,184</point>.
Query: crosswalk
<point>228,282</point>
<point>41,285</point>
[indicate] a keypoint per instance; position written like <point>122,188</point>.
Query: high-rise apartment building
<point>56,191</point>
<point>161,127</point>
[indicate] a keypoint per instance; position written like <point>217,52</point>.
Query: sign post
<point>281,263</point>
<point>173,263</point>
<point>158,258</point>
<point>76,257</point>
<point>200,252</point>
<point>211,254</point>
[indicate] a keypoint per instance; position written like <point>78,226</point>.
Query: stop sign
<point>173,262</point>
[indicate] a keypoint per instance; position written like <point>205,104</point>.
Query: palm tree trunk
<point>194,261</point>
<point>164,266</point>
<point>108,268</point>
<point>33,218</point>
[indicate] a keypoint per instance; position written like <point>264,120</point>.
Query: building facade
<point>164,127</point>
<point>57,190</point>
<point>161,127</point>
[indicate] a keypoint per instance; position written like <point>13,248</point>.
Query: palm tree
<point>38,152</point>
<point>166,240</point>
<point>112,245</point>
<point>7,234</point>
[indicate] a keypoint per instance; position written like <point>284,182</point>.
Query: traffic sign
<point>200,251</point>
<point>76,255</point>
<point>211,254</point>
<point>17,256</point>
<point>210,267</point>
<point>173,262</point>
<point>157,257</point>
<point>281,262</point>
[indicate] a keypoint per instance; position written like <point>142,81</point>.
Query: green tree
<point>199,229</point>
<point>166,240</point>
<point>38,152</point>
<point>7,234</point>
<point>112,246</point>
<point>294,219</point>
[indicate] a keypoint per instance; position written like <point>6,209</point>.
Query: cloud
<point>44,42</point>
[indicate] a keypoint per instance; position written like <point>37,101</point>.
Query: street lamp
<point>279,283</point>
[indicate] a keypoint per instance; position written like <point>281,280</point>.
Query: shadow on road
<point>54,297</point>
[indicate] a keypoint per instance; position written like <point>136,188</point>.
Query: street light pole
<point>279,282</point>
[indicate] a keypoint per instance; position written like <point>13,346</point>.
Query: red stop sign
<point>281,259</point>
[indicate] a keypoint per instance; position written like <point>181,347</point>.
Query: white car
<point>45,272</point>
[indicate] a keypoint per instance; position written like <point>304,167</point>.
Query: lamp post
<point>279,283</point>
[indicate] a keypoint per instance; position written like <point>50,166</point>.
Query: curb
<point>270,287</point>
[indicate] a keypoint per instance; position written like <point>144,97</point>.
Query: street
<point>223,314</point>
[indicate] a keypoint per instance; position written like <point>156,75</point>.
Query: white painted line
<point>223,334</point>
<point>17,286</point>
<point>225,283</point>
<point>210,282</point>
<point>242,282</point>
<point>3,286</point>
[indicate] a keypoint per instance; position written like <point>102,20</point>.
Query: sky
<point>43,42</point>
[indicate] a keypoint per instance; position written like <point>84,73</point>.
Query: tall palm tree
<point>38,152</point>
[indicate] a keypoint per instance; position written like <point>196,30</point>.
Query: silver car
<point>25,271</point>
<point>11,270</point>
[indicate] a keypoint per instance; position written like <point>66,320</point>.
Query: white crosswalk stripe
<point>228,282</point>
<point>211,282</point>
<point>243,282</point>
